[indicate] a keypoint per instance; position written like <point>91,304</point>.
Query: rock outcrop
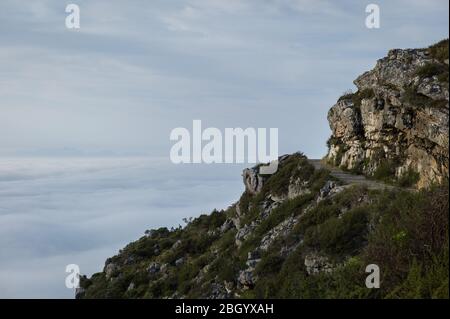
<point>252,180</point>
<point>398,117</point>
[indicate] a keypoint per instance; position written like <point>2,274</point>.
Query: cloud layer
<point>55,212</point>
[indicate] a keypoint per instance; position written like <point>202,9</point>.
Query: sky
<point>136,70</point>
<point>86,114</point>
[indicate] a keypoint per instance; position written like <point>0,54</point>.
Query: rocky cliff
<point>303,233</point>
<point>397,121</point>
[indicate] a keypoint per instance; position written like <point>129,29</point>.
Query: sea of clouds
<point>59,211</point>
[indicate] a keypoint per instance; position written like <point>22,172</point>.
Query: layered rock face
<point>399,115</point>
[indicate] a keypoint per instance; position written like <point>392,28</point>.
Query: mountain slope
<point>302,232</point>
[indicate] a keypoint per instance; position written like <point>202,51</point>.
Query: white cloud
<point>54,212</point>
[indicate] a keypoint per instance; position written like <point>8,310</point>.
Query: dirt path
<point>349,178</point>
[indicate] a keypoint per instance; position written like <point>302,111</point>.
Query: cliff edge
<point>396,125</point>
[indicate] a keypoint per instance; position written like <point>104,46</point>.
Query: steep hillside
<point>304,233</point>
<point>395,127</point>
<point>295,234</point>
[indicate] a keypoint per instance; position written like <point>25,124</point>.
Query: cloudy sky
<point>136,70</point>
<point>85,115</point>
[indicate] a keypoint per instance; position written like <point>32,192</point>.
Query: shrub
<point>410,178</point>
<point>412,97</point>
<point>431,69</point>
<point>333,141</point>
<point>316,216</point>
<point>385,171</point>
<point>225,268</point>
<point>410,228</point>
<point>358,96</point>
<point>297,166</point>
<point>319,178</point>
<point>339,236</point>
<point>390,86</point>
<point>425,281</point>
<point>244,202</point>
<point>269,265</point>
<point>439,51</point>
<point>208,222</point>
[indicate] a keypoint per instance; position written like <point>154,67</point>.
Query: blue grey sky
<point>85,115</point>
<point>137,69</point>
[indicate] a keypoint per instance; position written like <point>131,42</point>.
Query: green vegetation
<point>439,51</point>
<point>390,86</point>
<point>358,96</point>
<point>410,242</point>
<point>333,141</point>
<point>432,69</point>
<point>412,97</point>
<point>407,239</point>
<point>408,179</point>
<point>404,233</point>
<point>296,166</point>
<point>339,235</point>
<point>386,172</point>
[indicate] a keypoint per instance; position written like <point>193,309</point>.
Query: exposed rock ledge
<point>399,116</point>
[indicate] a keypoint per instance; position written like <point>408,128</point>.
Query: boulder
<point>316,263</point>
<point>252,180</point>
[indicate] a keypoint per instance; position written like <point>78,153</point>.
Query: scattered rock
<point>110,270</point>
<point>176,244</point>
<point>329,190</point>
<point>281,230</point>
<point>218,291</point>
<point>153,268</point>
<point>315,264</point>
<point>130,286</point>
<point>227,225</point>
<point>244,233</point>
<point>179,261</point>
<point>246,279</point>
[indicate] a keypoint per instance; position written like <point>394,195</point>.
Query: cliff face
<point>397,121</point>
